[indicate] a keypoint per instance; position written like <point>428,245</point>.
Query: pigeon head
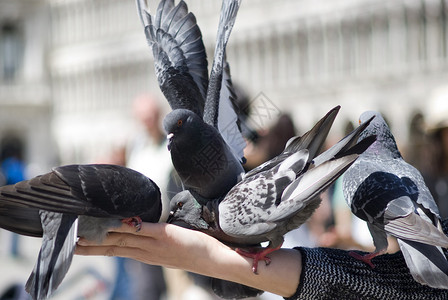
<point>186,211</point>
<point>378,127</point>
<point>181,125</point>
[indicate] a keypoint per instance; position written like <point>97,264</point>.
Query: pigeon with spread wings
<point>277,197</point>
<point>72,201</point>
<point>205,141</point>
<point>391,196</point>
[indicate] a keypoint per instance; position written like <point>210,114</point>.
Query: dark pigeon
<point>70,202</point>
<point>391,196</point>
<point>272,201</point>
<point>205,139</point>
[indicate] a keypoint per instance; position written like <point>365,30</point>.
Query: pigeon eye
<point>179,123</point>
<point>180,204</point>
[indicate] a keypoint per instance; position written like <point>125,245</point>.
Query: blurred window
<point>11,49</point>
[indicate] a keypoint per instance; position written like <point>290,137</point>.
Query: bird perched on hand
<point>205,140</point>
<point>391,196</point>
<point>74,201</point>
<point>275,198</point>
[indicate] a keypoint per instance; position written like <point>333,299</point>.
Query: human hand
<point>176,247</point>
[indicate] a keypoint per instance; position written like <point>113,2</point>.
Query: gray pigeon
<point>205,140</point>
<point>273,200</point>
<point>391,196</point>
<point>74,201</point>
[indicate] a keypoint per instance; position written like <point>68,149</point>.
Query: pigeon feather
<point>74,201</point>
<point>212,166</point>
<point>271,202</point>
<point>392,197</point>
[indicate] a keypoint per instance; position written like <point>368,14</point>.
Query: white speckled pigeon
<point>273,200</point>
<point>74,201</point>
<point>391,196</point>
<point>205,140</point>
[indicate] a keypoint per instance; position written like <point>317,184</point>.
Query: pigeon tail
<point>427,264</point>
<point>232,290</point>
<point>345,143</point>
<point>55,256</point>
<point>312,140</point>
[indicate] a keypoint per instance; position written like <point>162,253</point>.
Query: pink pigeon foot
<point>133,222</point>
<point>367,258</point>
<point>257,256</point>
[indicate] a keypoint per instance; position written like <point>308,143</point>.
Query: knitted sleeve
<point>333,274</point>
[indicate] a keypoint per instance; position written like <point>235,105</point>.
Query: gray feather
<point>391,195</point>
<point>427,264</point>
<point>55,255</point>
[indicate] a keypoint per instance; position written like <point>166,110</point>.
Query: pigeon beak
<point>169,137</point>
<point>170,217</point>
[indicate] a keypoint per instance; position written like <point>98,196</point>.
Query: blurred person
<point>147,153</point>
<point>435,172</point>
<point>122,282</point>
<point>270,142</point>
<point>15,291</point>
<point>12,171</point>
<point>437,176</point>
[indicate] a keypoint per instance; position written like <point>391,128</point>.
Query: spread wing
<point>179,54</point>
<point>221,110</point>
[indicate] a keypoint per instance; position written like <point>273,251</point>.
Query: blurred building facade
<point>25,88</point>
<point>86,60</point>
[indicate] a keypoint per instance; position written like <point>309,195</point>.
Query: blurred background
<point>71,70</point>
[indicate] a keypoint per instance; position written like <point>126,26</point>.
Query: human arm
<point>301,273</point>
<point>175,247</point>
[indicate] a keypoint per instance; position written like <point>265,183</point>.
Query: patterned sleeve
<point>333,274</point>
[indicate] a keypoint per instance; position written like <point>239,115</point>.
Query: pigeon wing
<point>228,117</point>
<point>247,208</point>
<point>114,190</point>
<point>56,253</point>
<point>20,219</point>
<point>94,190</point>
<point>179,54</point>
<point>307,187</point>
<point>402,222</point>
<point>221,110</point>
<point>427,264</point>
<point>227,18</point>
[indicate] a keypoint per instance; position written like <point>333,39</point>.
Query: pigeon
<point>275,199</point>
<point>74,201</point>
<point>204,136</point>
<point>391,196</point>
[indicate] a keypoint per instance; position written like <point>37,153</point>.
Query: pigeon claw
<point>366,258</point>
<point>257,256</point>
<point>133,222</point>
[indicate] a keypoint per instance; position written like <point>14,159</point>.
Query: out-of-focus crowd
<point>332,225</point>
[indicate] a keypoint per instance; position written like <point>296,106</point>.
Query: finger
<point>147,229</point>
<point>133,253</point>
<point>107,251</point>
<point>118,239</point>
